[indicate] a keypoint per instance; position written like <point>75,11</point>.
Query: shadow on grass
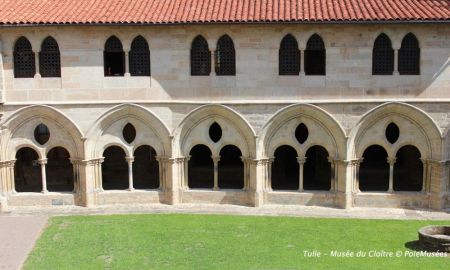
<point>414,245</point>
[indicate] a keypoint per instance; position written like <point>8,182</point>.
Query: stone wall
<point>348,69</point>
<point>346,110</point>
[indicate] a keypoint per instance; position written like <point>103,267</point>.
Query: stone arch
<point>417,128</point>
<point>324,130</point>
<point>27,175</point>
<point>18,131</point>
<point>59,170</point>
<point>193,130</point>
<point>107,131</point>
<point>285,169</point>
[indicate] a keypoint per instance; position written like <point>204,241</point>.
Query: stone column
<point>4,177</point>
<point>76,171</point>
<point>425,178</point>
<point>176,178</point>
<point>89,180</point>
<point>184,172</point>
<point>267,167</point>
<point>438,183</point>
<point>301,162</point>
<point>333,174</point>
<point>347,178</point>
<point>7,184</point>
<point>162,166</point>
<point>396,61</point>
<point>258,179</point>
<point>391,161</point>
<point>36,62</point>
<point>247,171</point>
<point>216,172</point>
<point>127,63</point>
<point>12,183</point>
<point>43,162</point>
<point>98,174</point>
<point>302,60</point>
<point>130,173</point>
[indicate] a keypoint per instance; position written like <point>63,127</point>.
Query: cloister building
<point>339,103</point>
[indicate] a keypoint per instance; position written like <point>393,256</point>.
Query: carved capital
<point>391,160</point>
<point>301,160</point>
<point>42,161</point>
<point>93,162</point>
<point>7,163</point>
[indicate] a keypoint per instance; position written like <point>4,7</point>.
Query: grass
<point>224,242</point>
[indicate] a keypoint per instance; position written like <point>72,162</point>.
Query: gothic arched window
<point>225,57</point>
<point>114,57</point>
<point>200,57</point>
<point>139,57</point>
<point>289,56</point>
<point>24,65</point>
<point>382,56</point>
<point>315,56</point>
<point>49,58</point>
<point>409,56</point>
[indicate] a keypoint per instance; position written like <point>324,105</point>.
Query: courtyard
<point>193,238</point>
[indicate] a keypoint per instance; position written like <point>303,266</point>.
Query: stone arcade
<point>245,109</point>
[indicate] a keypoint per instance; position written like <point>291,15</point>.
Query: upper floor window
<point>24,65</point>
<point>382,56</point>
<point>139,57</point>
<point>49,58</point>
<point>409,56</point>
<point>315,56</point>
<point>200,57</point>
<point>114,57</point>
<point>225,57</point>
<point>289,56</point>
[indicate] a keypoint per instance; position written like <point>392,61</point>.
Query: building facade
<point>331,114</point>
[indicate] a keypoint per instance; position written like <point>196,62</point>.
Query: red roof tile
<point>15,12</point>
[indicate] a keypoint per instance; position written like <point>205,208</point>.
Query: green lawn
<point>224,242</point>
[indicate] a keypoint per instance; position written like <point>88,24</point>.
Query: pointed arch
<point>150,129</point>
<point>20,126</point>
<point>27,176</point>
<point>193,129</point>
<point>315,56</point>
<point>289,56</point>
<point>200,57</point>
<point>409,56</point>
<point>114,57</point>
<point>49,58</point>
<point>24,64</point>
<point>139,60</point>
<point>323,128</point>
<point>382,56</point>
<point>225,57</point>
<point>422,131</point>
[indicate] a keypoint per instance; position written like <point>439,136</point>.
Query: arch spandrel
<point>107,130</point>
<point>193,129</point>
<point>323,129</point>
<point>17,131</point>
<point>416,128</point>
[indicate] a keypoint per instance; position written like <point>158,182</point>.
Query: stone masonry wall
<point>348,69</point>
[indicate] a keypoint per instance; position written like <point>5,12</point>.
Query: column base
<point>3,205</point>
<point>87,199</point>
<point>344,200</point>
<point>256,198</point>
<point>171,197</point>
<point>438,201</point>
